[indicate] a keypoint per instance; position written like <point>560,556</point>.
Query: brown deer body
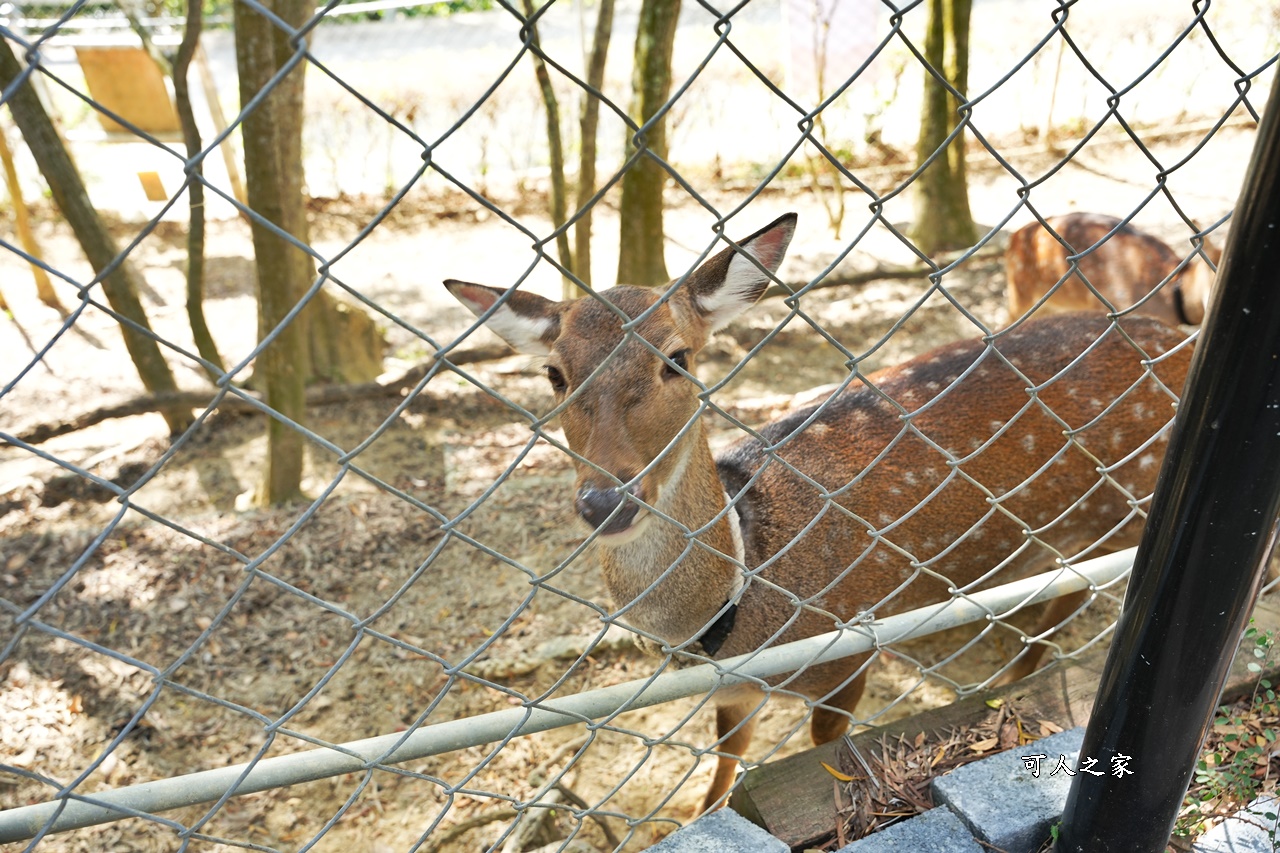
<point>1124,270</point>
<point>860,504</point>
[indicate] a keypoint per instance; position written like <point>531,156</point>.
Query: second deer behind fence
<point>1125,270</point>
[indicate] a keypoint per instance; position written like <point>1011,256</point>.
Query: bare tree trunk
<point>943,219</point>
<point>958,14</point>
<point>195,192</point>
<point>588,128</point>
<point>121,284</point>
<point>22,219</point>
<point>641,251</point>
<point>555,146</point>
<point>273,174</point>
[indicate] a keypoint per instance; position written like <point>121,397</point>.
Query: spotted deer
<point>909,484</point>
<point>1124,270</point>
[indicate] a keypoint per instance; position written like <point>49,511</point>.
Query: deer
<point>1124,270</point>
<point>906,486</point>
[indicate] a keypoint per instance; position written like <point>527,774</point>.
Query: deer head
<point>620,363</point>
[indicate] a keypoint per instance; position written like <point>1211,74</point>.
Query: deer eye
<point>680,359</point>
<point>556,378</point>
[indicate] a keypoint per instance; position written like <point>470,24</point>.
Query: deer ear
<point>527,321</point>
<point>733,280</point>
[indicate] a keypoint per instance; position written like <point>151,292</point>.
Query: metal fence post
<point>1202,556</point>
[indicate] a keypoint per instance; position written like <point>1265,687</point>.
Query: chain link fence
<point>424,655</point>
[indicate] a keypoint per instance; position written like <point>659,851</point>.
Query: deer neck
<point>690,583</point>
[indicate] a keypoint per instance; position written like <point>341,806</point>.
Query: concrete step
<point>722,831</point>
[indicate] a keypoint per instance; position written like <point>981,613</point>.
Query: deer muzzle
<point>606,509</point>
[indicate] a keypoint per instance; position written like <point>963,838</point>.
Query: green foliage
<point>1231,771</point>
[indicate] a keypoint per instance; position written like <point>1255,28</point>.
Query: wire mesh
<point>156,625</point>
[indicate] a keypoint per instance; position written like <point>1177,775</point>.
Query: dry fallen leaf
<point>984,745</point>
<point>1048,727</point>
<point>843,777</point>
<point>1010,734</point>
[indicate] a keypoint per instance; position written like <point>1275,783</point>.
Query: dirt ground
<point>355,625</point>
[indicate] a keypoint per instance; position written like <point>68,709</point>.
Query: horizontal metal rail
<point>81,810</point>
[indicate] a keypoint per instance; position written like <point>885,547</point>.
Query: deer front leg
<point>831,722</point>
<point>735,724</point>
<point>1055,613</point>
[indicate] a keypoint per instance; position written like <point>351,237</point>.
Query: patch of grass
<point>1239,762</point>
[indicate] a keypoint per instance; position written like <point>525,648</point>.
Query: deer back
<point>945,469</point>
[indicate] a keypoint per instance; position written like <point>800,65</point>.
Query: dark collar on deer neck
<point>713,638</point>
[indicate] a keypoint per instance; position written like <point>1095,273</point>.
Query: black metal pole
<point>1200,562</point>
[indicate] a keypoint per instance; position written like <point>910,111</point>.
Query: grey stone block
<point>935,831</point>
<point>1248,832</point>
<point>1003,802</point>
<point>723,831</point>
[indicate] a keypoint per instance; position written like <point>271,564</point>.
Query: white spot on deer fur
<point>907,372</point>
<point>980,533</point>
<point>894,490</point>
<point>909,477</point>
<point>1140,411</point>
<point>882,557</point>
<point>1029,442</point>
<point>1117,438</point>
<point>995,425</point>
<point>819,429</point>
<point>1096,403</point>
<point>975,443</point>
<point>1073,392</point>
<point>886,518</point>
<point>1146,461</point>
<point>739,547</point>
<point>933,386</point>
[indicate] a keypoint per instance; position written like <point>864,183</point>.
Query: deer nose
<point>595,505</point>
